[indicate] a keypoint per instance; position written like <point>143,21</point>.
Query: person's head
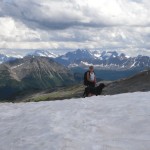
<point>91,68</point>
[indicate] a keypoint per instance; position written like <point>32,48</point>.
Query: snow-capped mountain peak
<point>42,53</point>
<point>105,55</point>
<point>96,53</point>
<point>82,53</point>
<point>77,55</point>
<point>102,60</point>
<point>109,54</point>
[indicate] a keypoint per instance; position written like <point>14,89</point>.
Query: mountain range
<point>32,73</point>
<point>106,60</point>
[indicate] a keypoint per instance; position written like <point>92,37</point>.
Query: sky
<point>65,25</point>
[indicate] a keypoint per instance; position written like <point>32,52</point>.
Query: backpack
<point>86,82</point>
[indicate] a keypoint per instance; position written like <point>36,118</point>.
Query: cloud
<point>53,15</point>
<point>57,15</point>
<point>71,24</point>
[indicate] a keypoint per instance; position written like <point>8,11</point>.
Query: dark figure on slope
<point>89,91</point>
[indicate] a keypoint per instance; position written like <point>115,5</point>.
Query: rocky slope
<point>139,82</point>
<point>32,73</point>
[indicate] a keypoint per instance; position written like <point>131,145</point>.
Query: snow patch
<point>104,122</point>
<point>42,53</point>
<point>73,65</point>
<point>17,66</point>
<point>65,58</point>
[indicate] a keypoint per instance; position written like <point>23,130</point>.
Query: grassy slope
<point>75,91</point>
<point>62,93</point>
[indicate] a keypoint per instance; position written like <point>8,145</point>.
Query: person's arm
<point>95,79</point>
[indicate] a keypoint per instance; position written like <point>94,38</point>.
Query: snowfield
<point>119,122</point>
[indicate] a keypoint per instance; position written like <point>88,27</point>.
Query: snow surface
<point>119,122</point>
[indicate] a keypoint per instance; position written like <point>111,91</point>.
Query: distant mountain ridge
<point>40,53</point>
<point>109,60</point>
<point>4,58</point>
<point>106,60</point>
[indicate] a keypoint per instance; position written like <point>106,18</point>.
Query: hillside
<point>119,122</point>
<point>32,74</point>
<point>75,91</point>
<point>139,82</point>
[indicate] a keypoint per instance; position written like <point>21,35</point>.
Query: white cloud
<point>71,24</point>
